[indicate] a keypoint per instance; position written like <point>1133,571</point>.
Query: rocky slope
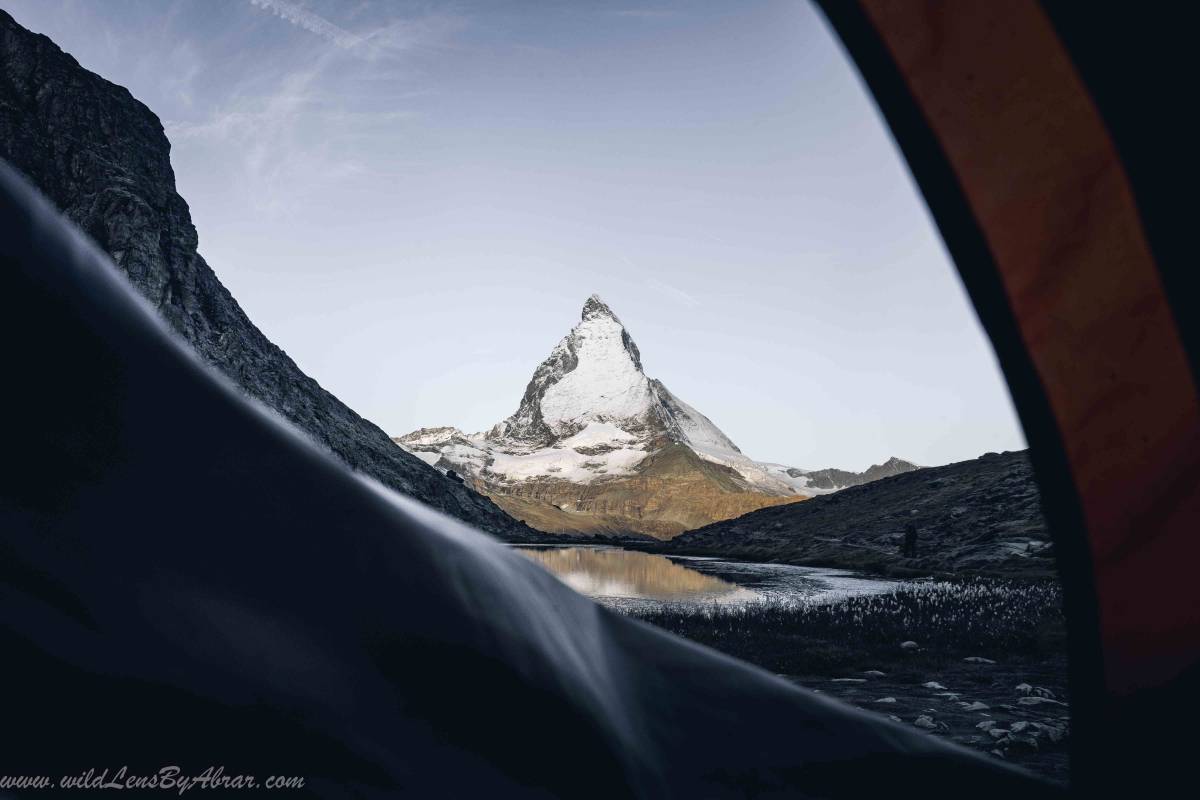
<point>979,516</point>
<point>103,159</point>
<point>596,446</point>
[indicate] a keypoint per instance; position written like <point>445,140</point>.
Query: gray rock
<point>975,706</point>
<point>886,700</point>
<point>987,724</point>
<point>874,673</point>
<point>925,722</point>
<point>933,685</point>
<point>849,680</point>
<point>978,660</point>
<point>1039,701</point>
<point>998,733</point>
<point>909,645</point>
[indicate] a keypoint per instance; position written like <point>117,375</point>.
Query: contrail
<point>310,21</point>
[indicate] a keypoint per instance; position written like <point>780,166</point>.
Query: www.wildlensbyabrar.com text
<point>167,778</point>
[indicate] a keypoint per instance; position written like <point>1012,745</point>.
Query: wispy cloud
<point>386,40</point>
<point>644,13</point>
<point>311,21</point>
<point>288,130</point>
<point>673,292</point>
<point>287,142</point>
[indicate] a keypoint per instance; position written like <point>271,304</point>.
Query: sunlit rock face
<point>596,446</point>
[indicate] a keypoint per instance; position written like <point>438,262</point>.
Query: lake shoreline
<point>630,579</point>
<point>978,660</point>
<point>880,567</point>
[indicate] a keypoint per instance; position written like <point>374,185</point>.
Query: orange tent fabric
<point>1036,204</point>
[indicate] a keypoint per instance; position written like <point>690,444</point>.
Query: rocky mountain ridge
<point>835,479</point>
<point>977,516</point>
<point>103,159</point>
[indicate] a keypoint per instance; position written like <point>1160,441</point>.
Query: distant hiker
<point>909,550</point>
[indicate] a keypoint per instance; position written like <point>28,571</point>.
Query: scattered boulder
<point>849,680</point>
<point>978,660</point>
<point>1025,741</point>
<point>975,706</point>
<point>987,724</point>
<point>909,645</point>
<point>886,700</point>
<point>1055,734</point>
<point>998,733</point>
<point>874,673</point>
<point>1033,700</point>
<point>933,685</point>
<point>925,722</point>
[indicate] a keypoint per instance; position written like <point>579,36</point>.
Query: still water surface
<point>627,578</point>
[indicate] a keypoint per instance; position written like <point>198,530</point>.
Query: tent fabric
<point>1045,182</point>
<point>185,580</point>
<point>1075,267</point>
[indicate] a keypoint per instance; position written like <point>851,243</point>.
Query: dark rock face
<point>981,516</point>
<point>102,158</point>
<point>527,425</point>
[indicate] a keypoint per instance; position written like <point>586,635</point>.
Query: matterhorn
<point>596,446</point>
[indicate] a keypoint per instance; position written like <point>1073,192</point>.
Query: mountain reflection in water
<point>627,575</point>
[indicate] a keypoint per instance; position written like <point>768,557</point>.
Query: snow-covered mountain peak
<point>592,386</point>
<point>600,323</point>
<point>607,383</point>
<point>589,417</point>
<point>594,374</point>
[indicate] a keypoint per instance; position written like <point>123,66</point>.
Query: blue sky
<point>415,199</point>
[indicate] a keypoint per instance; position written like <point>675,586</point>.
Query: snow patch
<point>606,384</point>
